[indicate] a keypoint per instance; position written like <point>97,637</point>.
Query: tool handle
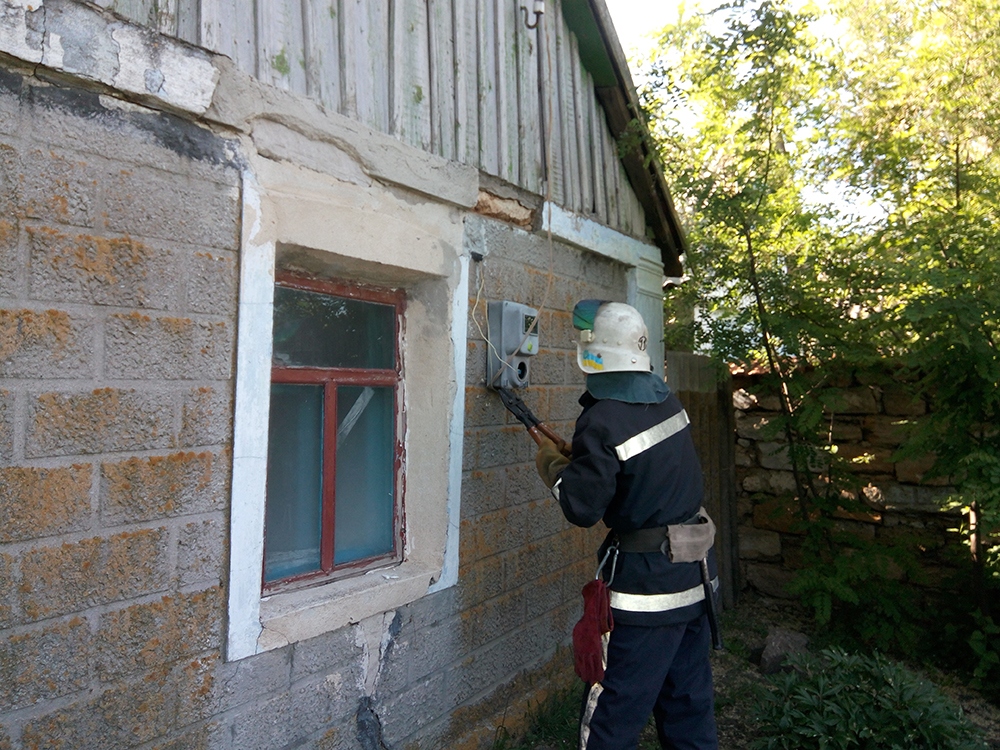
<point>565,448</point>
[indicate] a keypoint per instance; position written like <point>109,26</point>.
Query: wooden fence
<point>707,396</point>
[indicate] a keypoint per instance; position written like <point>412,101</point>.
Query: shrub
<point>841,701</point>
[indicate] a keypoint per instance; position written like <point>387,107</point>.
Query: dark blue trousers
<point>664,670</point>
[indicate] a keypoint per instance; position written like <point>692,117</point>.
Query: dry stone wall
<point>867,424</point>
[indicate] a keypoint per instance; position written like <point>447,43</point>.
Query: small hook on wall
<point>538,9</point>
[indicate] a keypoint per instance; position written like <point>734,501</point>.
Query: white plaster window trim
<point>259,623</point>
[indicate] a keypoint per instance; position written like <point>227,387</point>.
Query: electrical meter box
<point>513,334</point>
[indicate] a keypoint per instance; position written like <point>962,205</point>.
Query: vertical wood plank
<point>322,52</point>
<point>583,93</point>
<point>410,117</point>
<point>488,106</point>
<point>189,21</point>
<point>231,30</point>
<point>364,46</point>
<point>571,157</point>
<point>442,49</point>
<point>466,83</point>
<point>597,158</point>
<point>166,17</point>
<point>611,174</point>
<point>281,44</point>
<point>507,90</point>
<point>551,115</point>
<point>528,115</point>
<point>142,12</point>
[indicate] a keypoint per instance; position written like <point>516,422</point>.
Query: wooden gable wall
<point>464,79</point>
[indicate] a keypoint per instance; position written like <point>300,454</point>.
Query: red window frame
<point>330,378</point>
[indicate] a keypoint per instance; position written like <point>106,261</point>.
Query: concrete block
<point>150,635</point>
<point>202,552</point>
<point>206,417</point>
<point>501,446</point>
<point>330,652</point>
<point>43,502</point>
<point>523,483</point>
<point>211,284</point>
<point>10,236</point>
<point>74,576</point>
<point>482,492</point>
<point>7,616</point>
<point>142,489</point>
<point>45,344</point>
<point>60,186</point>
<point>10,103</point>
<point>91,269</point>
<point>103,420</point>
<point>5,741</point>
<point>6,425</point>
<point>100,125</point>
<point>242,683</point>
<point>427,651</point>
<point>152,203</point>
<point>141,347</point>
<point>207,736</point>
<point>326,701</point>
<point>265,725</point>
<point>45,663</point>
<point>407,712</point>
<point>126,715</point>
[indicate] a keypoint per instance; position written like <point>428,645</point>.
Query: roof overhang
<point>602,55</point>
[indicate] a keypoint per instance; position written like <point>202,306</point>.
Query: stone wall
<point>867,424</point>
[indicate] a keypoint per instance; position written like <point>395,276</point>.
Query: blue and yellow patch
<point>592,360</point>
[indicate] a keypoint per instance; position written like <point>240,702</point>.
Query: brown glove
<point>549,462</point>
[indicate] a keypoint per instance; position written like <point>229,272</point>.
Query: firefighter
<point>634,466</point>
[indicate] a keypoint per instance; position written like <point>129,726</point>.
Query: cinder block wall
<point>119,260</point>
<point>867,427</point>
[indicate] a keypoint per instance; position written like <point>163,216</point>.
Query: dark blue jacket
<point>634,467</point>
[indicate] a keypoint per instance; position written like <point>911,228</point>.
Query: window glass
<point>321,330</point>
<point>294,481</point>
<point>365,478</point>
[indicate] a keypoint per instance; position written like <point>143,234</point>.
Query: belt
<point>642,540</point>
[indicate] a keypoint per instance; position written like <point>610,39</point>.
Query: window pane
<point>365,473</point>
<point>294,481</point>
<point>319,330</point>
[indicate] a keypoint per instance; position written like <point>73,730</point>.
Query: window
<point>333,501</point>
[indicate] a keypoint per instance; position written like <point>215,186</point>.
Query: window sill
<point>293,616</point>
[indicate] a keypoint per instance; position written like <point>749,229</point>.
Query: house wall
<point>122,236</point>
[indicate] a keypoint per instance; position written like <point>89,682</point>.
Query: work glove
<point>549,462</point>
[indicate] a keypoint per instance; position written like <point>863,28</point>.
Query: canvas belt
<point>660,602</point>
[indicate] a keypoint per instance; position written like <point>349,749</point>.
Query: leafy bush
<point>841,701</point>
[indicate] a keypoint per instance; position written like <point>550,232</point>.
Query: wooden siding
<point>465,79</point>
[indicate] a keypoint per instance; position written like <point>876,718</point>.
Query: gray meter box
<point>513,334</point>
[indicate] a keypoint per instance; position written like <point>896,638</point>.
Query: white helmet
<point>613,337</point>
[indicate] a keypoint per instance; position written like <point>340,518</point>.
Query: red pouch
<point>588,641</point>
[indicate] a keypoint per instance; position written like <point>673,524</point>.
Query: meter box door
<point>513,333</point>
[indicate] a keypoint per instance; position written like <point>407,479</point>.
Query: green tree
<point>841,193</point>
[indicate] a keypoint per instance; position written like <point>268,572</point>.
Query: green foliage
<point>838,701</point>
<point>842,197</point>
<point>985,644</point>
<point>858,596</point>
